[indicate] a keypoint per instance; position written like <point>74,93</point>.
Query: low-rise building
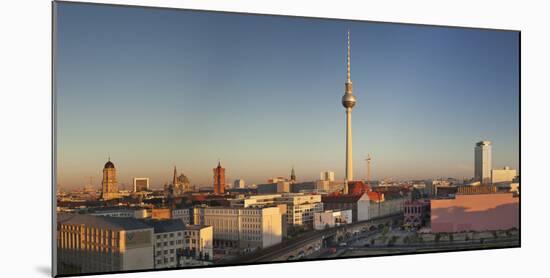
<point>331,218</point>
<point>503,175</point>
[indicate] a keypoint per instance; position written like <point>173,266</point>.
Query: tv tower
<point>348,101</point>
<point>368,169</point>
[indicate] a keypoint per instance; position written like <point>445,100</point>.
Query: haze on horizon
<point>158,88</point>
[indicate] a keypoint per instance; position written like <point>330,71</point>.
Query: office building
<point>241,228</point>
<point>141,184</point>
<point>88,244</point>
<point>483,162</point>
<point>239,184</point>
<point>327,176</point>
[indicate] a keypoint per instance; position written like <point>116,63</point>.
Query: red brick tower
<point>219,179</point>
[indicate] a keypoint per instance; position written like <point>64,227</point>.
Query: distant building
<point>483,162</point>
<point>271,188</point>
<point>109,185</point>
<point>304,187</point>
<point>239,184</point>
<point>276,179</point>
<point>90,244</point>
<point>141,184</point>
<point>138,213</point>
<point>330,218</point>
<point>327,176</point>
<point>240,228</point>
<point>475,212</point>
<point>292,175</point>
<point>503,175</point>
<point>219,179</point>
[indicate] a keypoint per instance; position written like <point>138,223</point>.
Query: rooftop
<point>102,222</point>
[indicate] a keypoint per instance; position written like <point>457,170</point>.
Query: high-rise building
<point>219,179</point>
<point>109,186</point>
<point>483,162</point>
<point>348,101</point>
<point>239,183</point>
<point>327,176</point>
<point>141,184</point>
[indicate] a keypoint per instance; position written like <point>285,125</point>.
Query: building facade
<point>241,228</point>
<point>90,244</point>
<point>503,175</point>
<point>331,218</point>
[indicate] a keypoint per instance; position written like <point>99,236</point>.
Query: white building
<point>301,207</point>
<point>239,183</point>
<point>503,175</point>
<point>483,162</point>
<point>327,176</point>
<point>168,242</point>
<point>373,204</point>
<point>198,245</point>
<point>88,244</point>
<point>141,184</point>
<point>243,228</point>
<point>331,218</point>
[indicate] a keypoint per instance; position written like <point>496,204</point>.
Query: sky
<point>158,88</point>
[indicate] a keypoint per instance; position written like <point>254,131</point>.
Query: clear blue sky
<point>154,88</point>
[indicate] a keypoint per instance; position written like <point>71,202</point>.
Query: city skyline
<point>153,100</point>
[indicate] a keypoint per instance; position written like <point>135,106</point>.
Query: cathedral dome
<point>109,164</point>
